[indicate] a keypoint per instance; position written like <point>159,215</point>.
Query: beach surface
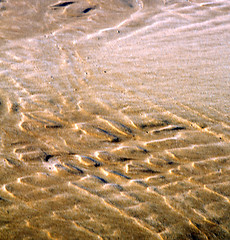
<point>114,119</point>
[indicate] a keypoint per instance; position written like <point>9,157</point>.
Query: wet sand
<point>114,119</point>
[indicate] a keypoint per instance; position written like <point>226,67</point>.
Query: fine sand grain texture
<point>114,119</point>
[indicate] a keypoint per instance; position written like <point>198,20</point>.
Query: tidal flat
<point>114,119</point>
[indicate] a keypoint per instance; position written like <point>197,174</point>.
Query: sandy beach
<point>114,119</point>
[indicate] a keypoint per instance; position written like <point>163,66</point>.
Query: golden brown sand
<point>114,119</point>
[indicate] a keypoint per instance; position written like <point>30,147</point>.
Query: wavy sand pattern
<point>114,119</point>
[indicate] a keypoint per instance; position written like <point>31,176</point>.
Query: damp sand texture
<point>114,119</point>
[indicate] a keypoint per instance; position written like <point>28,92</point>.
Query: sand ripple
<point>114,119</point>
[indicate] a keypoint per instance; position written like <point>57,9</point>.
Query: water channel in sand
<point>114,119</point>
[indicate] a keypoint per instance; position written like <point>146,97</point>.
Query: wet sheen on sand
<point>114,119</point>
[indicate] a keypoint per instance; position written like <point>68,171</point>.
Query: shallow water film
<point>114,119</point>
